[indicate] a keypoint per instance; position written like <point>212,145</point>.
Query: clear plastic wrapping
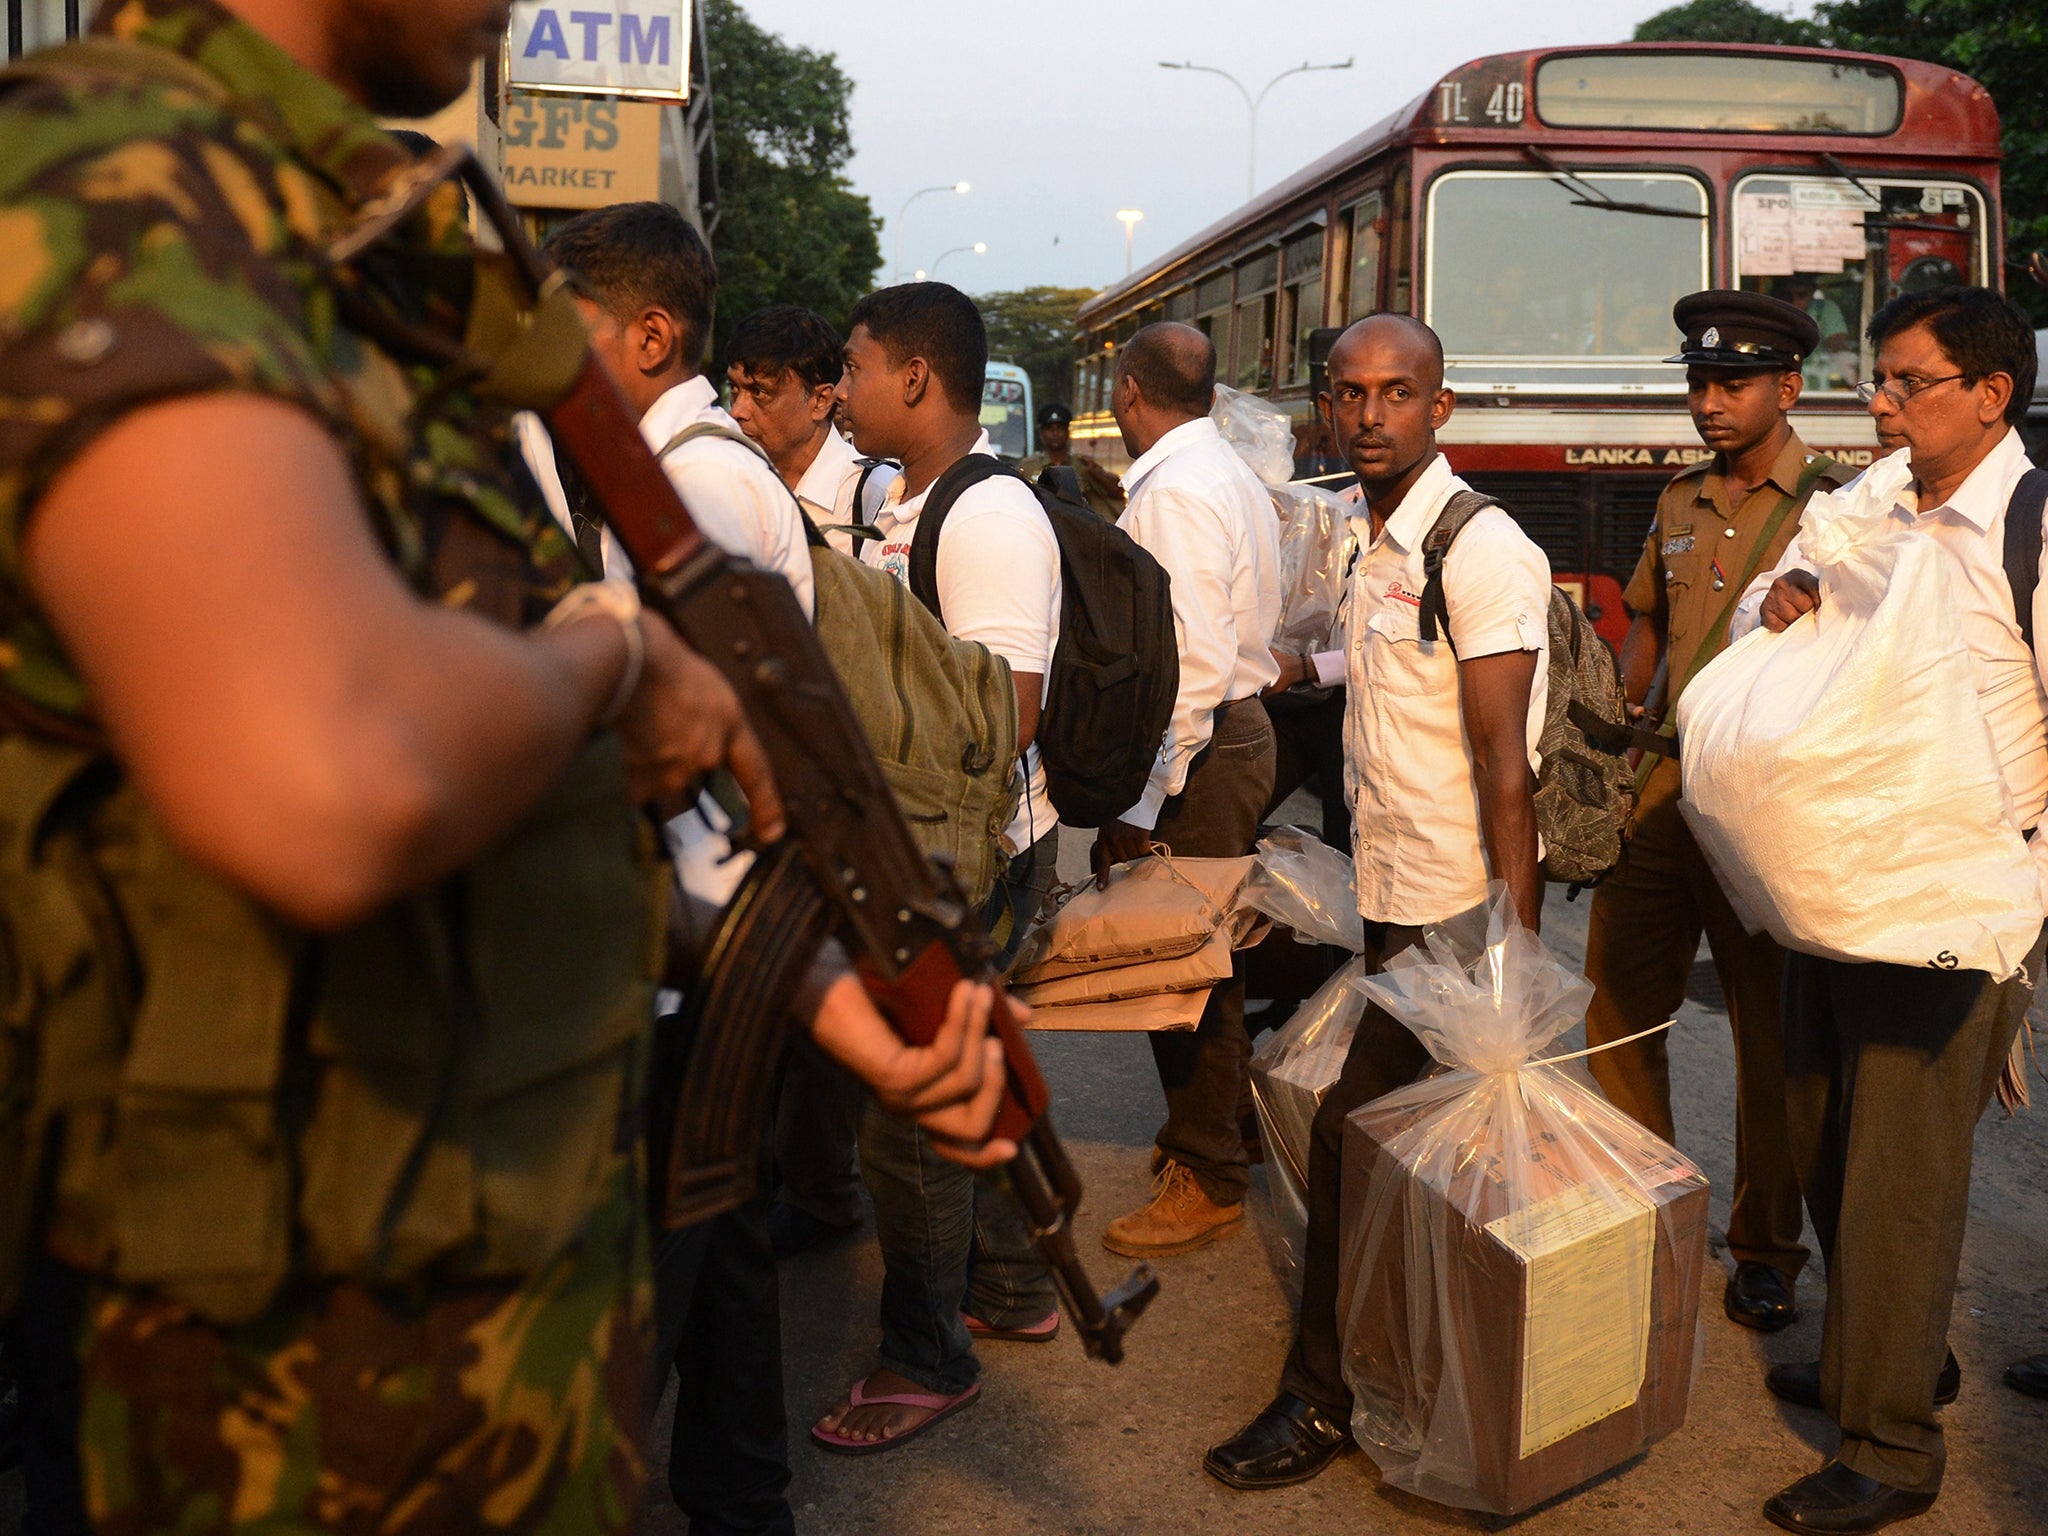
<point>1522,1262</point>
<point>1262,434</point>
<point>1291,1075</point>
<point>1316,543</point>
<point>1307,886</point>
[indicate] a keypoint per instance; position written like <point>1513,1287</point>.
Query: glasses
<point>1899,391</point>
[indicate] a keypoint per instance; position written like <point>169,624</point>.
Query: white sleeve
<point>1326,669</point>
<point>538,449</point>
<point>1749,612</point>
<point>744,509</point>
<point>998,573</point>
<point>1496,589</point>
<point>1188,538</point>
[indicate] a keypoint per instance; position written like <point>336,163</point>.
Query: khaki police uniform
<point>1649,915</point>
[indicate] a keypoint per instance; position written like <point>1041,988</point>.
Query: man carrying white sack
<point>1889,1066</point>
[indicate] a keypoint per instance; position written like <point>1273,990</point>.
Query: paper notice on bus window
<point>1765,219</point>
<point>1587,1255</point>
<point>1824,238</point>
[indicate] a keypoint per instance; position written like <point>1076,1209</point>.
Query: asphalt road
<point>1060,1444</point>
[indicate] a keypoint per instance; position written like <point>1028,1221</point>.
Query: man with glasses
<point>1887,1066</point>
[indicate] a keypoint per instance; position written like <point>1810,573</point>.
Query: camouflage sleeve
<point>146,252</point>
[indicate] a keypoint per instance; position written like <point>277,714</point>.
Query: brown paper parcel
<point>1152,909</point>
<point>1133,1015</point>
<point>1198,971</point>
<point>1522,1271</point>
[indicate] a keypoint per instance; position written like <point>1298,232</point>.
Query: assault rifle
<point>849,863</point>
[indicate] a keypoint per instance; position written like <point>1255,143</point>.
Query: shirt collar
<point>1981,497</point>
<point>679,406</point>
<point>324,130</point>
<point>1418,509</point>
<point>819,484</point>
<point>1200,429</point>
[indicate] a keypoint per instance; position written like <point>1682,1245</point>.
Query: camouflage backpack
<point>1585,789</point>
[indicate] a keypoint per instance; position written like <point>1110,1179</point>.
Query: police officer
<point>1101,490</point>
<point>327,923</point>
<point>1718,524</point>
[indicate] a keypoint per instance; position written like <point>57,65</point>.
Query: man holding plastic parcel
<point>1906,894</point>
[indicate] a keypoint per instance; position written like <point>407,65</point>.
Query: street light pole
<point>1129,218</point>
<point>896,264</point>
<point>1252,104</point>
<point>980,247</point>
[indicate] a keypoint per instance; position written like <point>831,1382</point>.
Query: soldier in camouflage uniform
<point>327,926</point>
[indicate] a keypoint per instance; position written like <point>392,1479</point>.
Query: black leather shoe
<point>1759,1297</point>
<point>2029,1375</point>
<point>1843,1503</point>
<point>1289,1442</point>
<point>793,1230</point>
<point>1801,1383</point>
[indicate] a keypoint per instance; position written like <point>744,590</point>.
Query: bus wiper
<point>1833,163</point>
<point>1590,196</point>
<point>1877,203</point>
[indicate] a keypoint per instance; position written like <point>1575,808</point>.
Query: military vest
<point>198,1098</point>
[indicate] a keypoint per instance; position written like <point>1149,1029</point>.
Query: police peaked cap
<point>1730,328</point>
<point>1053,414</point>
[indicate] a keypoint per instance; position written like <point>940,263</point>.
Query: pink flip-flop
<point>937,1404</point>
<point>1044,1331</point>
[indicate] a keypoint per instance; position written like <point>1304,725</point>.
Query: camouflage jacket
<point>224,1103</point>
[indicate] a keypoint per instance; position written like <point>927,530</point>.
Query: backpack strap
<point>1436,545</point>
<point>960,476</point>
<point>2023,547</point>
<point>696,431</point>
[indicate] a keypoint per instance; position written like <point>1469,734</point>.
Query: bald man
<point>1439,750</point>
<point>1204,516</point>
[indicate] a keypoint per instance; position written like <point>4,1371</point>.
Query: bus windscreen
<point>1003,417</point>
<point>1536,282</point>
<point>1725,93</point>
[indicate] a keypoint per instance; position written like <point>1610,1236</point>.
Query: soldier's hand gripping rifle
<point>849,863</point>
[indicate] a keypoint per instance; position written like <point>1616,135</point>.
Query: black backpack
<point>1113,678</point>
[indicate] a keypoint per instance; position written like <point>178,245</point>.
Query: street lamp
<point>896,266</point>
<point>1130,217</point>
<point>1253,103</point>
<point>979,248</point>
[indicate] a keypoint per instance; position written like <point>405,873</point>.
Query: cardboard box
<point>1528,1316</point>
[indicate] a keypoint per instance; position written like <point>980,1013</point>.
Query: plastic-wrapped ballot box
<point>1522,1262</point>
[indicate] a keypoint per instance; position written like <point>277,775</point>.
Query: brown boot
<point>1179,1219</point>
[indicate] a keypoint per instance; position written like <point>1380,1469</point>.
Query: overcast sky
<point>1056,113</point>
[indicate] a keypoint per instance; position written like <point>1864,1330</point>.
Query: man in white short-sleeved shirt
<point>955,1256</point>
<point>782,364</point>
<point>1201,512</point>
<point>1440,753</point>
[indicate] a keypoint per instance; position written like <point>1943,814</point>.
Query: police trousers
<point>1644,931</point>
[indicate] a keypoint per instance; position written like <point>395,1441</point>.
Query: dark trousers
<point>1384,1056</point>
<point>42,1355</point>
<point>951,1238</point>
<point>817,1117</point>
<point>1215,816</point>
<point>718,1321</point>
<point>1644,931</point>
<point>1308,749</point>
<point>1889,1068</point>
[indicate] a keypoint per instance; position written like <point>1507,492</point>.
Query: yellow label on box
<point>1587,1256</point>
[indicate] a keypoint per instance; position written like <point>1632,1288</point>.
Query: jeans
<point>1216,815</point>
<point>951,1238</point>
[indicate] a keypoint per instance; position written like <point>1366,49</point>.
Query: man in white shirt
<point>1890,1066</point>
<point>645,282</point>
<point>782,364</point>
<point>1440,757</point>
<point>1201,512</point>
<point>957,1263</point>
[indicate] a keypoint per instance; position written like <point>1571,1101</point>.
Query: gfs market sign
<point>602,47</point>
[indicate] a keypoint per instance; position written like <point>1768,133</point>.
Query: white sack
<point>1840,776</point>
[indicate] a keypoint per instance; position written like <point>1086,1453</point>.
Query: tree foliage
<point>790,228</point>
<point>1034,328</point>
<point>2000,43</point>
<point>1723,21</point>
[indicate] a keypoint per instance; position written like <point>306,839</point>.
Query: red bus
<point>1542,210</point>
